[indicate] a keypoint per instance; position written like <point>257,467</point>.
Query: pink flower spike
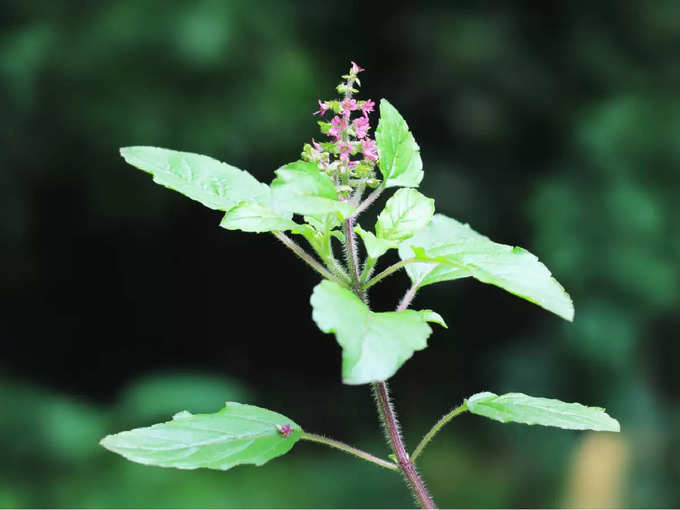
<point>370,149</point>
<point>348,105</point>
<point>285,430</point>
<point>367,107</point>
<point>323,108</point>
<point>345,150</point>
<point>361,127</point>
<point>356,69</point>
<point>338,125</point>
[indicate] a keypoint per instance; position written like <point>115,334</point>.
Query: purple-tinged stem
<point>391,425</point>
<point>368,201</point>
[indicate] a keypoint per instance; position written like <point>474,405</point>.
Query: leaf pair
<point>245,434</point>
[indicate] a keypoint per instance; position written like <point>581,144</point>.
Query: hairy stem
<point>411,293</point>
<point>393,268</point>
<point>315,438</point>
<point>311,261</point>
<point>368,269</point>
<point>352,258</point>
<point>380,390</point>
<point>436,428</point>
<point>368,201</point>
<point>396,442</point>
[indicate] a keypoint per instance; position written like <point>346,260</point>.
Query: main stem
<point>380,390</point>
<point>389,420</point>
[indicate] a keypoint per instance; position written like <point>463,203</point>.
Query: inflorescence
<point>351,156</point>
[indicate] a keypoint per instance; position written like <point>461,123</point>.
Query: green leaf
<point>323,222</point>
<point>400,161</point>
<point>520,408</point>
<point>201,178</point>
<point>319,241</point>
<point>454,250</point>
<point>238,434</point>
<point>253,217</point>
<point>374,344</point>
<point>405,212</point>
<point>301,188</point>
<point>375,247</point>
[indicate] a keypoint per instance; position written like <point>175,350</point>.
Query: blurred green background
<point>551,125</point>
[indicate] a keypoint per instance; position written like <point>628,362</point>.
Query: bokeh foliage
<point>552,126</point>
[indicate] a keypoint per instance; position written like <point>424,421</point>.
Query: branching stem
<point>393,268</point>
<point>311,261</point>
<point>368,200</point>
<point>315,438</point>
<point>436,428</point>
<point>411,293</point>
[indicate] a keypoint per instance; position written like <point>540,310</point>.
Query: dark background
<point>550,125</point>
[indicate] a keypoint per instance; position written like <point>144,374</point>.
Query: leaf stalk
<point>315,438</point>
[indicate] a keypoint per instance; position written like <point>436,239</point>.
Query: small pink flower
<point>370,149</point>
<point>356,69</point>
<point>345,150</point>
<point>285,430</point>
<point>323,108</point>
<point>361,127</point>
<point>353,163</point>
<point>367,107</point>
<point>338,125</point>
<point>348,105</point>
<point>316,145</point>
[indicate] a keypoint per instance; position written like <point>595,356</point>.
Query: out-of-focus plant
<point>326,188</point>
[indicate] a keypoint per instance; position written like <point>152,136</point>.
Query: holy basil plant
<point>320,197</point>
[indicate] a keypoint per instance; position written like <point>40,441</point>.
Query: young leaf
<point>405,212</point>
<point>201,178</point>
<point>319,240</point>
<point>374,344</point>
<point>458,251</point>
<point>400,161</point>
<point>301,188</point>
<point>238,434</point>
<point>520,408</point>
<point>375,247</point>
<point>254,217</point>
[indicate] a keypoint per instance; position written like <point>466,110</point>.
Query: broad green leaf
<point>454,250</point>
<point>238,434</point>
<point>375,247</point>
<point>520,408</point>
<point>302,188</point>
<point>374,344</point>
<point>254,217</point>
<point>400,161</point>
<point>405,212</point>
<point>201,178</point>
